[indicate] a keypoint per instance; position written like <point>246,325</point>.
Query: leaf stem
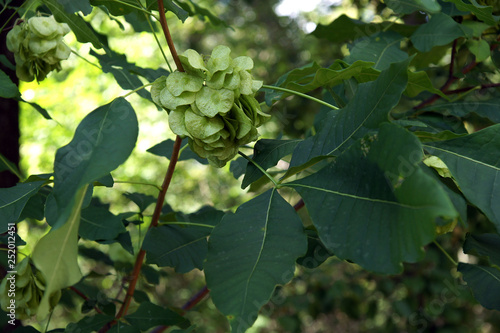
<point>276,185</point>
<point>85,59</point>
<point>137,89</point>
<point>188,224</point>
<point>293,92</point>
<point>138,183</point>
<point>11,169</point>
<point>445,253</point>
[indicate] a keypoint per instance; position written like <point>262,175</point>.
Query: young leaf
<point>374,205</point>
<point>440,30</point>
<point>250,252</point>
<point>149,315</point>
<point>182,246</point>
<point>410,6</point>
<point>267,153</point>
<point>56,254</point>
<point>103,140</point>
<point>474,162</point>
<point>366,111</point>
<point>484,282</point>
<point>13,200</point>
<point>382,48</point>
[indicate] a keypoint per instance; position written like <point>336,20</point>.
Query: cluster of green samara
<point>212,103</point>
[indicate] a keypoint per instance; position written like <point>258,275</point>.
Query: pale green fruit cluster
<point>38,47</point>
<point>212,102</point>
<point>26,288</point>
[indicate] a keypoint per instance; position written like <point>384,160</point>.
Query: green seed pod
<point>38,47</point>
<point>26,287</point>
<point>213,103</point>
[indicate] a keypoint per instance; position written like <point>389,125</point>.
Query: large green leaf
<point>13,200</point>
<point>374,205</point>
<point>149,315</point>
<point>366,111</point>
<point>103,140</point>
<point>56,254</point>
<point>474,162</point>
<point>267,153</point>
<point>98,223</point>
<point>183,246</point>
<point>489,109</point>
<point>484,13</point>
<point>410,6</point>
<point>77,25</point>
<point>487,245</point>
<point>250,252</point>
<point>440,30</point>
<point>484,282</point>
<point>382,49</point>
<point>345,29</point>
<point>7,88</point>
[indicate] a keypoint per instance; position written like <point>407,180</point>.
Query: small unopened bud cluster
<point>212,102</point>
<point>24,290</point>
<point>38,47</point>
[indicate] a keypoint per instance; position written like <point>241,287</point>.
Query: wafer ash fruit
<point>212,102</point>
<point>24,291</point>
<point>38,47</point>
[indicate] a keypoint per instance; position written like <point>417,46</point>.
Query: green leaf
<point>165,149</point>
<point>98,223</point>
<point>267,153</point>
<point>484,13</point>
<point>474,162</point>
<point>382,48</point>
<point>195,10</point>
<point>488,109</point>
<point>479,48</point>
<point>169,6</point>
<point>345,29</point>
<point>76,6</point>
<point>103,140</point>
<point>487,245</point>
<point>77,24</point>
<point>56,254</point>
<point>38,108</point>
<point>484,282</point>
<point>440,30</point>
<point>116,8</point>
<point>13,200</point>
<point>89,324</point>
<point>35,207</point>
<point>142,200</point>
<point>316,254</point>
<point>149,315</point>
<point>250,252</point>
<point>366,111</point>
<point>374,205</point>
<point>182,246</point>
<point>410,6</point>
<point>8,89</point>
<point>5,164</point>
<point>418,82</point>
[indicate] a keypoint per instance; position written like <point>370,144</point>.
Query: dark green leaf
<point>77,24</point>
<point>35,207</point>
<point>37,107</point>
<point>149,315</point>
<point>107,181</point>
<point>484,13</point>
<point>487,245</point>
<point>366,111</point>
<point>13,200</point>
<point>238,166</point>
<point>484,282</point>
<point>474,162</point>
<point>316,253</point>
<point>440,30</point>
<point>116,8</point>
<point>8,89</point>
<point>72,6</point>
<point>142,200</point>
<point>250,252</point>
<point>267,153</point>
<point>382,49</point>
<point>182,246</point>
<point>489,109</point>
<point>103,140</point>
<point>165,149</point>
<point>418,82</point>
<point>169,6</point>
<point>95,254</point>
<point>410,6</point>
<point>5,164</point>
<point>98,223</point>
<point>89,324</point>
<point>374,205</point>
<point>193,9</point>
